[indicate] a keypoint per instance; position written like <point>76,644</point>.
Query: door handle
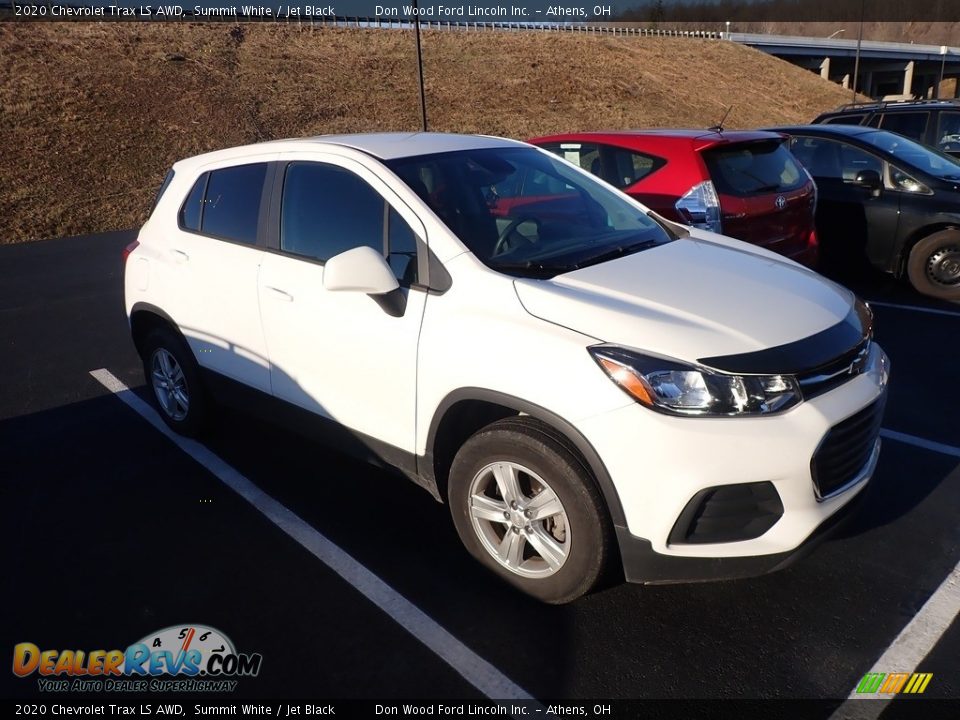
<point>179,256</point>
<point>280,294</point>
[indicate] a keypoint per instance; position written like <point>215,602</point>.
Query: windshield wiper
<point>616,252</point>
<point>534,268</point>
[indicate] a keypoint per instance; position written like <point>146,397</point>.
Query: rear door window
<point>833,160</point>
<point>618,166</point>
<point>756,168</point>
<point>231,207</point>
<point>586,155</point>
<point>626,167</point>
<point>948,133</point>
<point>911,124</point>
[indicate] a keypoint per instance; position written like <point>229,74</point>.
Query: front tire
<point>527,509</point>
<point>173,376</point>
<point>934,265</point>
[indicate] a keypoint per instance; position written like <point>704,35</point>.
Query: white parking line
<point>931,311</point>
<point>474,669</point>
<point>909,648</point>
<point>920,442</point>
<point>923,631</point>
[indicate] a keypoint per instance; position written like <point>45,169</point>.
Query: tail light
<point>129,249</point>
<point>700,207</point>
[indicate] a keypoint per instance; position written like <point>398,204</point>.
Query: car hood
<point>692,299</point>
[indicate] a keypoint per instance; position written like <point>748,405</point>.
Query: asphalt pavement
<point>110,532</point>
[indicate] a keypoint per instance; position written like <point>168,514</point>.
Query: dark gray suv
<point>935,123</point>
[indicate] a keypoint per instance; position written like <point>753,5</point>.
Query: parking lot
<point>113,531</point>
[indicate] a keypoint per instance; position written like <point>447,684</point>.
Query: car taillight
<point>700,207</point>
<point>129,249</point>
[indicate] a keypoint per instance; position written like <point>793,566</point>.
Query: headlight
<point>680,389</point>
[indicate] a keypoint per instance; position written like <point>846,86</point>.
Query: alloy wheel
<point>519,519</point>
<point>169,385</point>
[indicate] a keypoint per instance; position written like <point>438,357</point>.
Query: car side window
<point>193,205</point>
<point>586,155</point>
<point>231,205</point>
<point>948,132</point>
<point>326,210</point>
<point>845,119</point>
<point>911,124</point>
<point>830,159</point>
<point>627,167</point>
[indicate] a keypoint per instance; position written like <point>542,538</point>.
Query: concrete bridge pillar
<point>908,78</point>
<point>846,82</point>
<point>825,68</point>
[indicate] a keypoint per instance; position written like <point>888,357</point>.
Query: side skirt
<point>233,394</point>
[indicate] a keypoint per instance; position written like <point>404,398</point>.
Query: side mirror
<point>361,269</point>
<point>869,179</point>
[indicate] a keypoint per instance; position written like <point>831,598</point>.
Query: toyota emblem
<point>781,202</point>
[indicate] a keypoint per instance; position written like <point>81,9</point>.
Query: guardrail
<point>584,28</point>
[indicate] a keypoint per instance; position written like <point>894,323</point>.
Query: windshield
<point>523,212</point>
<point>930,161</point>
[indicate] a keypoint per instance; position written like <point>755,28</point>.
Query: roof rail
<point>881,104</point>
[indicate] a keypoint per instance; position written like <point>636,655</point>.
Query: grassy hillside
<point>92,114</point>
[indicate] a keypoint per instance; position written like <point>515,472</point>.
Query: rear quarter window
<point>193,205</point>
<point>756,168</point>
<point>163,188</point>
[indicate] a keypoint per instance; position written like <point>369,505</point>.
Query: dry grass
<point>92,114</point>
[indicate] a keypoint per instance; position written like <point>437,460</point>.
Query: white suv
<point>587,385</point>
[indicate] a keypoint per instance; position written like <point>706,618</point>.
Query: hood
<point>692,299</point>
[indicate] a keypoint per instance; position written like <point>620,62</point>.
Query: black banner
<point>121,705</point>
<point>649,13</point>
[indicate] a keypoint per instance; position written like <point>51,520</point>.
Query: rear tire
<point>934,265</point>
<point>173,376</point>
<point>527,509</point>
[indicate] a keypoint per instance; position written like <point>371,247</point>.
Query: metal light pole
<point>856,63</point>
<point>423,97</point>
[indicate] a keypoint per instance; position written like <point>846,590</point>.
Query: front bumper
<point>642,564</point>
<point>658,464</point>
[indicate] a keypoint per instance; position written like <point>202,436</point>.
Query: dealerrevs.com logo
<point>186,658</point>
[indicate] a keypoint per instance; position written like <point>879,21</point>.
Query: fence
<point>610,29</point>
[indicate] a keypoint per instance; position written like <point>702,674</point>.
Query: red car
<point>745,184</point>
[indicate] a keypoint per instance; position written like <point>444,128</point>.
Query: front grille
<point>728,513</point>
<point>845,450</point>
<point>836,372</point>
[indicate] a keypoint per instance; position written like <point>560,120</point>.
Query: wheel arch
<point>144,318</point>
<point>465,411</point>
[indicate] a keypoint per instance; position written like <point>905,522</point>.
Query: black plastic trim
<point>742,511</point>
<point>802,355</point>
<point>599,470</point>
<point>145,307</point>
<point>234,394</point>
<point>642,564</point>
